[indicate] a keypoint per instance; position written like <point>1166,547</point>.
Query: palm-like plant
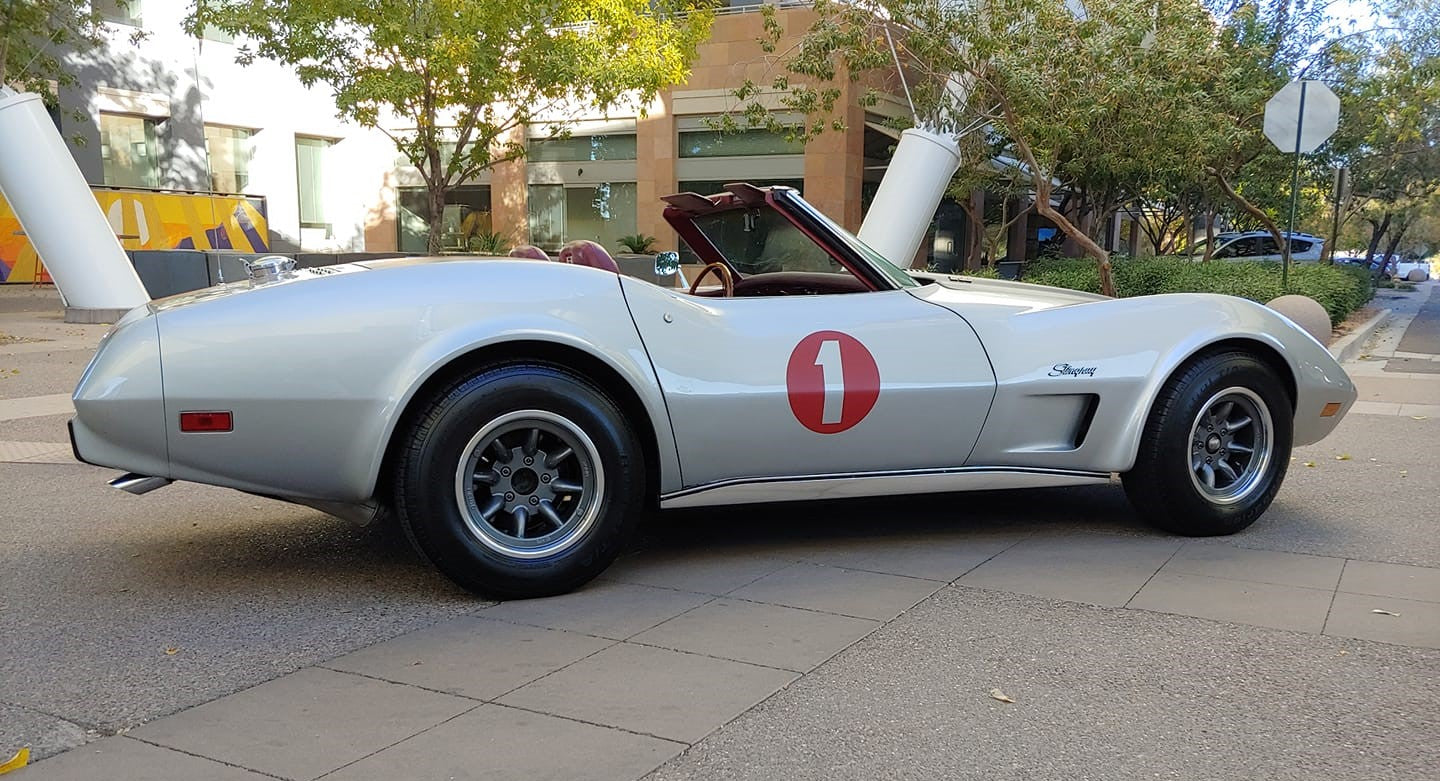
<point>638,243</point>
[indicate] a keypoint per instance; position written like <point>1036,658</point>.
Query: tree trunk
<point>1102,258</point>
<point>1209,235</point>
<point>1249,207</point>
<point>1377,230</point>
<point>433,245</point>
<point>1395,240</point>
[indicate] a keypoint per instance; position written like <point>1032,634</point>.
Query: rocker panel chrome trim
<point>853,485</point>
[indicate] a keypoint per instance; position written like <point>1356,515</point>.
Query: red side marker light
<point>206,421</point>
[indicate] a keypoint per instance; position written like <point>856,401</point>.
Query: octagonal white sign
<point>1318,123</point>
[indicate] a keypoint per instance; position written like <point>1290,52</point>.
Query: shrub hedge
<point>1340,289</point>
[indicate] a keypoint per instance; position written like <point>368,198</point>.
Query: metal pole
<point>1294,196</point>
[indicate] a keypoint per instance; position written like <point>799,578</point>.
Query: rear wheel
<point>1215,447</point>
<point>520,481</point>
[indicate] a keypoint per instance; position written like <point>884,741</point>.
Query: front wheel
<point>1215,447</point>
<point>520,481</point>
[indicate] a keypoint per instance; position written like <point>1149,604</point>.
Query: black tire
<point>498,408</point>
<point>1169,484</point>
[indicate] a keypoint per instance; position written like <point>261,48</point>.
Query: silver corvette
<point>518,417</point>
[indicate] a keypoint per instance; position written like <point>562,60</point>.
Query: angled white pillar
<point>909,193</point>
<point>59,214</point>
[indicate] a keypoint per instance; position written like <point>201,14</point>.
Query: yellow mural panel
<point>147,219</point>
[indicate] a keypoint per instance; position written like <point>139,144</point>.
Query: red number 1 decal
<point>832,381</point>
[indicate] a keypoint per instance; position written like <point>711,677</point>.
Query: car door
<point>767,387</point>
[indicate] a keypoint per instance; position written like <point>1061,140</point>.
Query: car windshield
<point>890,270</point>
<point>762,241</point>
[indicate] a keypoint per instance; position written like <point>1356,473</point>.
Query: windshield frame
<point>859,251</point>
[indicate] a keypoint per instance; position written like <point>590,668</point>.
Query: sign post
<point>1299,118</point>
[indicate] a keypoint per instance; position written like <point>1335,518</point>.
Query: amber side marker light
<point>206,421</point>
<point>1330,409</point>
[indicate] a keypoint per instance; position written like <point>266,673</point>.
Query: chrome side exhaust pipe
<point>139,484</point>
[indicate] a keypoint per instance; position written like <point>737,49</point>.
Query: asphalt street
<point>117,610</point>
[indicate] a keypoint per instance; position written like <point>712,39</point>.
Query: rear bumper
<point>75,448</point>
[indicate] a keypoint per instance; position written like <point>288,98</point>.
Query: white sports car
<point>519,416</point>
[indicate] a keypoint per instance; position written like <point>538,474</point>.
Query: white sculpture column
<point>909,193</point>
<point>59,214</point>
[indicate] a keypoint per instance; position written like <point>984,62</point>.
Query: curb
<point>1348,346</point>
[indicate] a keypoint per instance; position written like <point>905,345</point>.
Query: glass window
<point>601,213</point>
<point>118,11</point>
<point>129,151</point>
<point>742,143</point>
<point>310,166</point>
<point>547,215</point>
<point>213,33</point>
<point>762,241</point>
<point>582,148</point>
<point>688,255</point>
<point>466,215</point>
<point>229,152</point>
<point>1267,246</point>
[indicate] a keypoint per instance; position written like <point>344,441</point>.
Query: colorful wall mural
<point>150,219</point>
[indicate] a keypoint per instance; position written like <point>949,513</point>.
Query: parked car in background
<point>1260,245</point>
<point>1409,269</point>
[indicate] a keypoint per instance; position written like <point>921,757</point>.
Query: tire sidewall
<point>436,522</point>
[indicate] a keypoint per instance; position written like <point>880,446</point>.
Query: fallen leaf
<point>1384,612</point>
<point>1342,458</point>
<point>1343,652</point>
<point>1412,417</point>
<point>171,651</point>
<point>1404,472</point>
<point>1372,460</point>
<point>996,694</point>
<point>20,759</point>
<point>1309,463</point>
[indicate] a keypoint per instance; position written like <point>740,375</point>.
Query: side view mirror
<point>667,264</point>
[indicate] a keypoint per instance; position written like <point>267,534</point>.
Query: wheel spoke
<point>555,458</point>
<point>520,515</point>
<point>1239,448</point>
<point>491,507</point>
<point>502,454</point>
<point>487,478</point>
<point>532,441</point>
<point>1224,466</point>
<point>1239,424</point>
<point>548,511</point>
<point>1227,408</point>
<point>1207,473</point>
<point>566,487</point>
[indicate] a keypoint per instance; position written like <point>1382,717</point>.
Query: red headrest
<point>588,253</point>
<point>529,251</point>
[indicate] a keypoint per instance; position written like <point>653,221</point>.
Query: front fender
<point>1133,346</point>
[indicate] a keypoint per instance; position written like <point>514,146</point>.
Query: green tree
<point>1096,102</point>
<point>447,80</point>
<point>1389,135</point>
<point>34,37</point>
